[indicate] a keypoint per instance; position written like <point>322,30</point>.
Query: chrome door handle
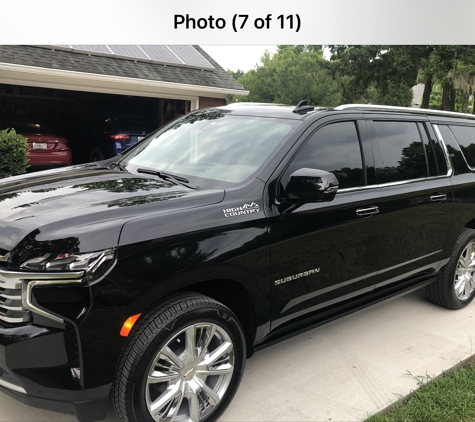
<point>367,212</point>
<point>438,198</point>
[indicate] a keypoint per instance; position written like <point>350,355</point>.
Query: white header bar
<point>237,22</point>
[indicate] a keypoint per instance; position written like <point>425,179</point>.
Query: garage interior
<point>66,88</point>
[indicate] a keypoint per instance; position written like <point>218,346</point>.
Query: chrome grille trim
<point>15,307</point>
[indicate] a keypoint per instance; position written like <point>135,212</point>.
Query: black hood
<point>56,205</point>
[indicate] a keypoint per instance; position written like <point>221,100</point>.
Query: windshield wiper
<point>178,180</point>
<point>118,165</point>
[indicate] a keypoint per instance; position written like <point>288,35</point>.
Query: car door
<point>326,252</point>
<point>416,199</point>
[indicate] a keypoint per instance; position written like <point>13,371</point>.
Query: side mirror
<point>311,185</point>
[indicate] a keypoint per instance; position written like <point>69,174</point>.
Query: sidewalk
<point>344,371</point>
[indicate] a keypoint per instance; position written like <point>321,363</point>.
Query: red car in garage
<point>45,149</point>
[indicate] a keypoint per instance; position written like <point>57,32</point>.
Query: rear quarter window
<point>465,136</point>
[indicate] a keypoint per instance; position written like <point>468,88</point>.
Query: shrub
<point>13,148</point>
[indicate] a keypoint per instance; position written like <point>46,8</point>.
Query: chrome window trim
<point>446,152</point>
<point>389,184</point>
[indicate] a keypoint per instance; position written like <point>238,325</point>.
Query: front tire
<point>455,287</point>
<point>183,362</point>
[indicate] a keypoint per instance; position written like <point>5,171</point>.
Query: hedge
<point>13,148</point>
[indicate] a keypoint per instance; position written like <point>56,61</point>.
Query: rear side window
<point>453,148</point>
<point>465,136</point>
<point>334,148</point>
<point>403,155</point>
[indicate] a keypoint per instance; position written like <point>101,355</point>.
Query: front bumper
<point>91,406</point>
<point>40,366</point>
<point>41,360</point>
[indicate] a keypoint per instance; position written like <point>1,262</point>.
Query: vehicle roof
<point>287,112</point>
<point>268,110</point>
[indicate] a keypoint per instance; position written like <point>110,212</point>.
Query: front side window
<point>403,156</point>
<point>212,146</point>
<point>334,148</point>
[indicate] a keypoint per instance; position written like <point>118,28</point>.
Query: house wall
<point>211,102</point>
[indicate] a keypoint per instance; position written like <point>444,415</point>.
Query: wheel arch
<point>234,296</point>
<point>470,224</point>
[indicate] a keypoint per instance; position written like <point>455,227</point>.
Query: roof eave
<point>82,81</point>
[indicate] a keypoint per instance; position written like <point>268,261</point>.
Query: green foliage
<point>292,74</point>
<point>435,102</point>
<point>237,74</point>
<point>448,398</point>
<point>13,148</point>
<point>377,74</point>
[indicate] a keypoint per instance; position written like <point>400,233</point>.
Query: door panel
<point>416,200</point>
<point>324,252</point>
<point>414,220</point>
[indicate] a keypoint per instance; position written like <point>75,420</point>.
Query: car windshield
<point>212,145</point>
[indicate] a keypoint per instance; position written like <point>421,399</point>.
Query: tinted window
<point>453,149</point>
<point>402,152</point>
<point>465,136</point>
<point>334,148</point>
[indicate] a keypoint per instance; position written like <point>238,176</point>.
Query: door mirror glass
<point>311,185</point>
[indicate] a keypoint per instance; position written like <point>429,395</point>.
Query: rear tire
<point>183,361</point>
<point>455,287</point>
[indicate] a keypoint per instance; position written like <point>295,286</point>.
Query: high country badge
<point>245,209</point>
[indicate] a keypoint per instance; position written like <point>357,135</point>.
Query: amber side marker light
<point>124,332</point>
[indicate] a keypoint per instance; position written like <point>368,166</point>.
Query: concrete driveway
<point>344,371</point>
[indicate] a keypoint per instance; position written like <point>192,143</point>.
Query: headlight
<point>94,264</point>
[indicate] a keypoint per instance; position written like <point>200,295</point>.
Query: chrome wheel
<point>464,282</point>
<point>190,374</point>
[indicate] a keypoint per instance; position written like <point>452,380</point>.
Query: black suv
<point>150,277</point>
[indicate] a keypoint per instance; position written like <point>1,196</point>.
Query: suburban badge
<point>296,276</point>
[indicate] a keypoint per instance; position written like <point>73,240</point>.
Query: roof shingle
<point>78,62</point>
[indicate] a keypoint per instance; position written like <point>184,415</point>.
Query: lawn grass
<point>448,398</point>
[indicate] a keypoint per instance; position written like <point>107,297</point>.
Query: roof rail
<point>375,107</point>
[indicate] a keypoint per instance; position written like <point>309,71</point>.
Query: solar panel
<point>128,51</point>
<point>161,53</point>
<point>190,56</point>
<point>184,55</point>
<point>95,48</point>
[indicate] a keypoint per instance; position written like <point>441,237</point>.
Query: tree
<point>237,74</point>
<point>452,67</point>
<point>375,74</point>
<point>292,74</point>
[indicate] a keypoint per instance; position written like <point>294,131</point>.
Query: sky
<point>234,57</point>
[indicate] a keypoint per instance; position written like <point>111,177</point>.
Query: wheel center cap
<point>188,373</point>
